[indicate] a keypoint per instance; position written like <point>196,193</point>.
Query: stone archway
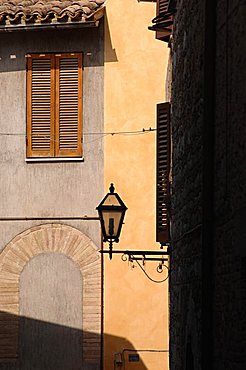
<point>46,239</point>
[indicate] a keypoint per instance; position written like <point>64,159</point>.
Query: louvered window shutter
<point>40,106</point>
<point>164,20</point>
<point>163,172</point>
<point>162,6</point>
<point>68,127</point>
<point>54,105</point>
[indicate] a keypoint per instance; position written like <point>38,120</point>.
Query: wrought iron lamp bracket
<point>138,255</point>
<point>160,256</point>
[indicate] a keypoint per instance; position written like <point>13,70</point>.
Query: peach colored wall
<point>136,310</point>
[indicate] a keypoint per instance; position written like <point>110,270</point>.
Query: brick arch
<point>57,238</point>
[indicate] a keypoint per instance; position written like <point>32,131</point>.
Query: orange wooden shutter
<point>68,128</point>
<point>40,106</point>
<point>163,172</point>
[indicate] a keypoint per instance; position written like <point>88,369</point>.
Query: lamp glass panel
<point>111,222</point>
<point>111,200</point>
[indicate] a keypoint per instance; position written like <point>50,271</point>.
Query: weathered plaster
<point>135,65</point>
<point>49,189</point>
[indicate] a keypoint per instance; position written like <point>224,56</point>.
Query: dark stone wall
<point>187,121</point>
<point>229,189</point>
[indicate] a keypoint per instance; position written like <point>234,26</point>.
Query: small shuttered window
<point>54,105</point>
<point>163,173</point>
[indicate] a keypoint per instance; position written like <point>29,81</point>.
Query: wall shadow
<point>30,344</point>
<point>123,355</point>
<point>95,43</point>
<point>109,53</point>
<point>15,45</point>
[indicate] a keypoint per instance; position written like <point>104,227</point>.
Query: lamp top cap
<point>111,188</point>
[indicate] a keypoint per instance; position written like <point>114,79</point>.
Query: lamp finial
<point>111,189</point>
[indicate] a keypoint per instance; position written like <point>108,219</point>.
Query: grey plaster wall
<point>49,189</point>
<point>9,229</point>
<point>51,297</point>
<point>52,189</point>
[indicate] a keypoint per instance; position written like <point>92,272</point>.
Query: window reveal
<point>54,105</point>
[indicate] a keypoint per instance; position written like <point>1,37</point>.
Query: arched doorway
<point>51,303</point>
<point>42,267</point>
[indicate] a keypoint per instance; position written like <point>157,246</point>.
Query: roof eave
<point>48,26</point>
<point>90,21</point>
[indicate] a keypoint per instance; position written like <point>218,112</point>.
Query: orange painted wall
<point>136,309</point>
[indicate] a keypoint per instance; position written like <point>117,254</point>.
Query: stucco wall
<point>136,309</point>
<point>53,304</point>
<point>49,189</point>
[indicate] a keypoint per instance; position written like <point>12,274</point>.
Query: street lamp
<point>111,213</point>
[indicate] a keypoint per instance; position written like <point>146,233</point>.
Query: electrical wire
<point>85,142</point>
<point>144,130</point>
<point>136,132</point>
<point>92,141</point>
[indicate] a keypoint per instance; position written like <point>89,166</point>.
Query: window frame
<point>54,152</point>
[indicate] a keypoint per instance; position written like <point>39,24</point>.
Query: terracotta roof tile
<point>36,11</point>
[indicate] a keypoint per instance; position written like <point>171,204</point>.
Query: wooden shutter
<point>163,172</point>
<point>54,105</point>
<point>163,22</point>
<point>68,129</point>
<point>162,6</point>
<point>40,106</point>
<point>165,19</point>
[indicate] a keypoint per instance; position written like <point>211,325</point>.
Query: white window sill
<point>54,159</point>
